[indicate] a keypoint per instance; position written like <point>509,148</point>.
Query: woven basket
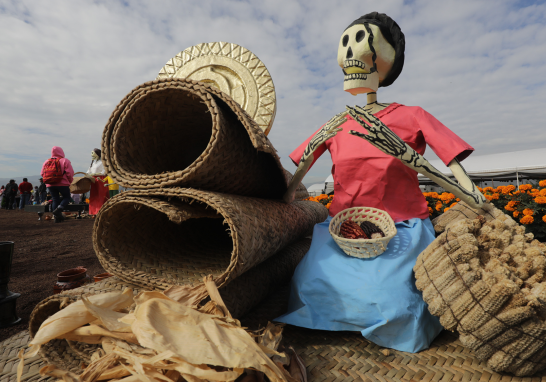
<point>179,132</point>
<point>81,184</point>
<point>484,277</point>
<point>363,248</point>
<point>240,296</point>
<point>160,238</point>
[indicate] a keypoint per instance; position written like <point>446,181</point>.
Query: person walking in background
<point>57,174</point>
<point>2,189</point>
<point>25,188</point>
<point>35,196</point>
<point>17,197</point>
<point>9,193</point>
<point>42,192</point>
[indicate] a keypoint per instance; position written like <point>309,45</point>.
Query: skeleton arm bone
<point>385,140</point>
<point>329,130</point>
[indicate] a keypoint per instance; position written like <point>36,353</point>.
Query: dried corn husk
<point>160,339</point>
<point>484,277</point>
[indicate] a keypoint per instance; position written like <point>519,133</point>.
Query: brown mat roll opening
<point>166,246</point>
<point>163,123</point>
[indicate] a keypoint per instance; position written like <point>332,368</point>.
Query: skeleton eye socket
<point>345,40</point>
<point>359,35</point>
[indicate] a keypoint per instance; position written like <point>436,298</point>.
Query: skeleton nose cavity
<point>349,53</point>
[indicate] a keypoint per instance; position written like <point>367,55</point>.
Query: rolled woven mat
<point>180,132</point>
<point>484,277</point>
<point>160,238</point>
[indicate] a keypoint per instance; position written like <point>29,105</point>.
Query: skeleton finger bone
<point>385,140</point>
<point>328,131</point>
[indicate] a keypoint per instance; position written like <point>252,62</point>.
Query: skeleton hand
<point>329,130</point>
<point>385,140</point>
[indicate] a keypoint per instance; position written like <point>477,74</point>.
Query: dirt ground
<point>43,249</point>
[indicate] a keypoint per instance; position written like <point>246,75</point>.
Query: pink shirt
<point>365,176</point>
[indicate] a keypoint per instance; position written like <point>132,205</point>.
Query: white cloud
<point>479,67</point>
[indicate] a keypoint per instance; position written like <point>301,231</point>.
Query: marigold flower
<point>430,211</point>
<point>516,213</point>
<point>508,189</point>
<point>510,206</point>
<point>446,209</point>
<point>495,196</point>
<point>480,189</point>
<point>488,189</point>
<point>457,200</point>
<point>542,183</point>
<point>525,187</point>
<point>438,207</point>
<point>527,220</point>
<point>544,218</point>
<point>540,200</point>
<point>528,212</point>
<point>488,197</point>
<point>542,192</point>
<point>453,204</point>
<point>328,205</point>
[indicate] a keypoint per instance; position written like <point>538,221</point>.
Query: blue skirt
<point>377,297</point>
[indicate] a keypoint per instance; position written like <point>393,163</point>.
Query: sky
<point>477,66</point>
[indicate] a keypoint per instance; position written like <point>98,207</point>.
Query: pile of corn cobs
<point>366,230</point>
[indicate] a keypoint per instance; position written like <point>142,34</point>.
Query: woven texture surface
<point>219,147</point>
<point>484,277</point>
<point>9,361</point>
<point>240,296</point>
<point>363,248</point>
<point>329,356</point>
<point>159,238</point>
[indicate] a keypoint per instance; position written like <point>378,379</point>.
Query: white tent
<point>315,189</point>
<point>516,165</point>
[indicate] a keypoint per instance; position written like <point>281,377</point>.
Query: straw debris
<point>153,337</point>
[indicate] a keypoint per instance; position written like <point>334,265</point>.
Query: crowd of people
<point>17,196</point>
<point>57,175</point>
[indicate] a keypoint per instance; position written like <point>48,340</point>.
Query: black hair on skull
<point>394,36</point>
<point>98,152</point>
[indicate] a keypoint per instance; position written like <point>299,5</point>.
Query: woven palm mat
<point>9,361</point>
<point>328,356</point>
<point>347,356</point>
<point>220,147</point>
<point>176,236</point>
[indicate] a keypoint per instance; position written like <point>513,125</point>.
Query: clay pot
<point>102,276</point>
<point>71,279</point>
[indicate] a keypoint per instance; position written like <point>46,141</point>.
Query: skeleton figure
<point>377,296</point>
<point>96,167</point>
<point>369,60</point>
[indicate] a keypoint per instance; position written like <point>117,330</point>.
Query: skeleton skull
<point>94,155</point>
<point>365,56</point>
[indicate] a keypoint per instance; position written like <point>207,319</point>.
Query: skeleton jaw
<point>358,79</point>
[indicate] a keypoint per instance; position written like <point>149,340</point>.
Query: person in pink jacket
<point>61,187</point>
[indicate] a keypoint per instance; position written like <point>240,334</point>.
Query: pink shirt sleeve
<point>298,153</point>
<point>444,142</point>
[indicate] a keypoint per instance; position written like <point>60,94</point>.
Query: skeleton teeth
<point>354,63</point>
<point>356,76</point>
